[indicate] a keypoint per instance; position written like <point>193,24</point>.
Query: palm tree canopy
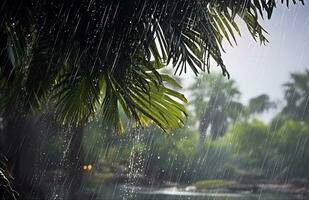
<point>85,56</point>
<point>260,104</point>
<point>216,103</point>
<point>297,96</point>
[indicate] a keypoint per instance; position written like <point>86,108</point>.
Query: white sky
<point>263,69</point>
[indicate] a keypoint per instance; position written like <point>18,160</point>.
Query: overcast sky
<point>263,69</point>
<point>259,69</point>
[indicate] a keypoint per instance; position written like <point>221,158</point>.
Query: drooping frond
<point>87,56</point>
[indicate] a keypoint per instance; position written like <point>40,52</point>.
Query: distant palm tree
<point>89,58</point>
<point>297,96</point>
<point>259,104</point>
<point>74,54</point>
<point>216,102</point>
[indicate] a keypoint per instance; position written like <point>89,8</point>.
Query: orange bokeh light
<point>87,167</point>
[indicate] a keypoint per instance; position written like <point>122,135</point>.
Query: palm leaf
<point>115,52</point>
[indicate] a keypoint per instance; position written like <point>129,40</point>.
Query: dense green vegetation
<point>249,150</point>
<point>67,64</point>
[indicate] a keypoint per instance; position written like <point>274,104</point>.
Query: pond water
<point>173,193</point>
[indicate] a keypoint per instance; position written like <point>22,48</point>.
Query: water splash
<point>135,166</point>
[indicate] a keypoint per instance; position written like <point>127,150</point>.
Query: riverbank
<point>299,187</point>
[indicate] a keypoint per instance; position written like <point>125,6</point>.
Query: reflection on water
<point>173,193</point>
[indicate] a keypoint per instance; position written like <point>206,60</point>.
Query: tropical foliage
<point>249,150</point>
<point>116,49</point>
<point>85,59</point>
<point>297,96</point>
<point>260,104</point>
<point>216,103</point>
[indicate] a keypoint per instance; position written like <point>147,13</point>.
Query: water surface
<point>141,193</point>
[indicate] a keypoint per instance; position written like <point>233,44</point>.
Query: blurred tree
<point>216,104</point>
<point>251,140</point>
<point>260,104</point>
<point>280,154</point>
<point>88,56</point>
<point>292,153</point>
<point>297,96</point>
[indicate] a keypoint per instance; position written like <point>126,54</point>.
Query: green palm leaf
<point>114,54</point>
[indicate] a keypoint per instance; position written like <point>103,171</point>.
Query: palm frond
<point>145,101</point>
<point>114,53</point>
